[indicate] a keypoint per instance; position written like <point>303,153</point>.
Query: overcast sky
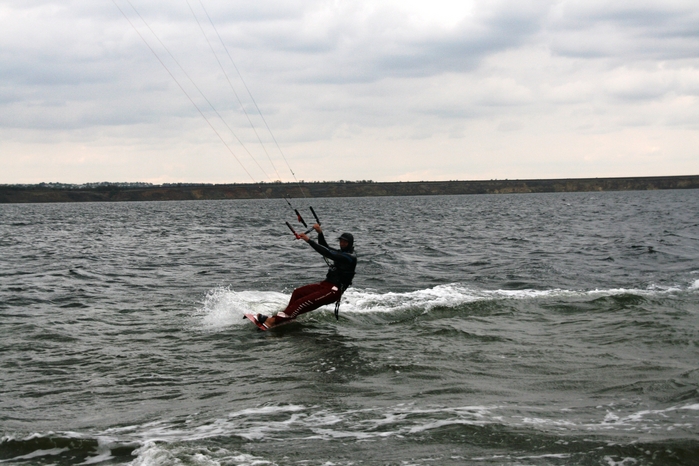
<point>382,90</point>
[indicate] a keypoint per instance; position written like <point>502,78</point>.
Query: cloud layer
<point>381,90</point>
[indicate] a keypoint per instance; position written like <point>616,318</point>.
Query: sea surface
<point>527,329</point>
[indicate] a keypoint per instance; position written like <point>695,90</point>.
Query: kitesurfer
<point>337,280</point>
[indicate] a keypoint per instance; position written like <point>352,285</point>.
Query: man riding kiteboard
<point>338,279</point>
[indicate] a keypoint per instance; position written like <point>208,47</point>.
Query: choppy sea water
<point>549,329</point>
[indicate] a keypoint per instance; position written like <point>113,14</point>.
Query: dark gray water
<point>513,329</point>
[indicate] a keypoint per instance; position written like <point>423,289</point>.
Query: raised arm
<point>321,236</point>
<point>322,247</point>
<point>330,253</point>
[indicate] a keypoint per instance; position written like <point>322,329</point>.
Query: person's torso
<point>342,272</point>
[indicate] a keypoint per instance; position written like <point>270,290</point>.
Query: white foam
<point>551,455</point>
<point>453,295</point>
<point>267,410</point>
<point>161,440</point>
<point>153,454</point>
<point>623,462</point>
<point>251,424</point>
<point>39,453</point>
<point>450,295</point>
<point>104,451</point>
<point>641,416</point>
<point>272,421</point>
<point>223,307</point>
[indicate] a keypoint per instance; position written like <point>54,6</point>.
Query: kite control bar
<point>298,215</point>
<point>293,231</point>
<point>314,214</point>
<point>301,220</point>
<point>317,220</point>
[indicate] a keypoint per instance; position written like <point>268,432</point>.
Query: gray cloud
<point>363,48</point>
<point>352,77</point>
<point>625,29</point>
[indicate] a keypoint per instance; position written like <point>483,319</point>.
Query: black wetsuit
<point>341,272</point>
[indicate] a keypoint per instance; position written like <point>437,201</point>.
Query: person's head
<point>346,241</point>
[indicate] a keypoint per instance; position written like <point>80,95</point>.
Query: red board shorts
<point>308,298</point>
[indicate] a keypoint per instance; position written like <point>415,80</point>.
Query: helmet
<point>347,237</point>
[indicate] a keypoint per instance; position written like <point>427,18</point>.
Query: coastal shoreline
<point>123,192</point>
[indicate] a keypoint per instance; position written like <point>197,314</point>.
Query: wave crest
<point>224,307</point>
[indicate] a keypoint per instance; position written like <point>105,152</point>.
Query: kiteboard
<point>253,319</point>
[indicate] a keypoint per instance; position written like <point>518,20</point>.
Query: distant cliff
<point>116,192</point>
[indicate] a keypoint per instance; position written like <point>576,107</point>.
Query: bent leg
<point>308,298</point>
<point>303,291</point>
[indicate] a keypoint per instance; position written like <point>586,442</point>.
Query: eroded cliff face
<point>121,193</point>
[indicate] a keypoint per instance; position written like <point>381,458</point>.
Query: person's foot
<point>265,320</point>
<point>271,322</point>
